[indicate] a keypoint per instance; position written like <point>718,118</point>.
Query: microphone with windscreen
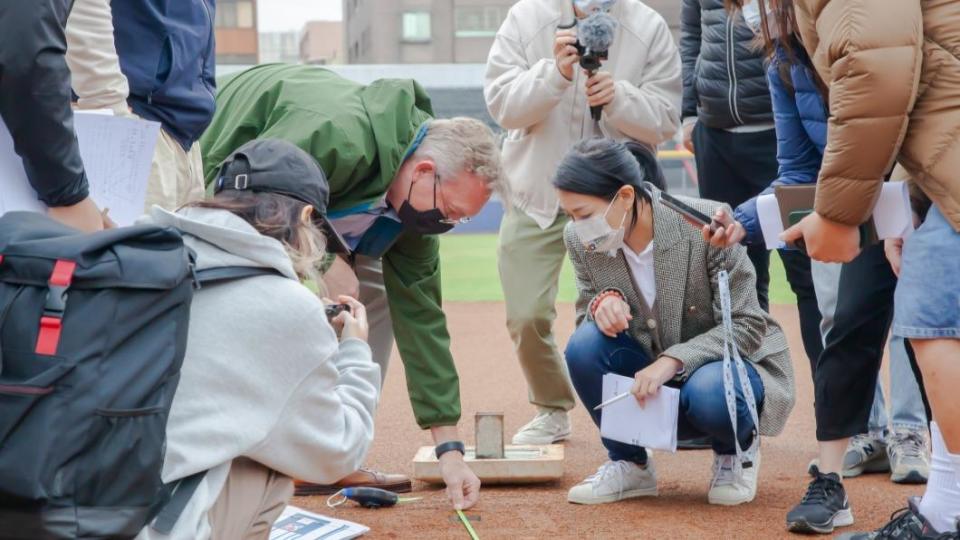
<point>594,37</point>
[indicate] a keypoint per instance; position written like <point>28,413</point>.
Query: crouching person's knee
<point>583,349</point>
<point>252,499</point>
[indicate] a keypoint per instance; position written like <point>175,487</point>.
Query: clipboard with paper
<point>892,215</point>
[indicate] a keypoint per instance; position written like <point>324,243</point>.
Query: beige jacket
<point>893,70</point>
<point>92,58</point>
<point>545,114</point>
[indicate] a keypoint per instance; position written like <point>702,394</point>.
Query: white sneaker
<point>615,481</point>
<point>547,427</point>
<point>731,487</point>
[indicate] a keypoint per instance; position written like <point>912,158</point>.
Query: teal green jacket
<point>359,136</point>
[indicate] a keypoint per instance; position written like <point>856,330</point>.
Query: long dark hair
<point>785,19</point>
<point>787,39</point>
<point>600,167</point>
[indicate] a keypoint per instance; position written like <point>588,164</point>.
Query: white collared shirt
<point>641,267</point>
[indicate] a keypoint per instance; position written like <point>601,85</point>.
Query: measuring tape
<point>467,525</point>
<point>731,358</point>
<point>368,497</point>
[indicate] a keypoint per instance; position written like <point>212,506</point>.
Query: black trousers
<point>846,373</point>
<point>731,168</point>
<point>797,266</point>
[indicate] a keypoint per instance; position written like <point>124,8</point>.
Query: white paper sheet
<point>893,217</point>
<point>653,426</point>
<point>299,524</point>
<point>117,153</point>
<point>768,213</point>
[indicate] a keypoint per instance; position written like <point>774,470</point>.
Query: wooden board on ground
<point>521,465</point>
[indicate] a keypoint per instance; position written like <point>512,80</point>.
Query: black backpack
<point>93,330</point>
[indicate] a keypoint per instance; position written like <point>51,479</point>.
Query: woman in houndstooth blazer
<point>649,308</point>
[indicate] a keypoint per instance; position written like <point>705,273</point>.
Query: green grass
<point>470,272</point>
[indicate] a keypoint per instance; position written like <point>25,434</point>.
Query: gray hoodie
<point>264,376</point>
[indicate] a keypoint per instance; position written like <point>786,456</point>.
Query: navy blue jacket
<point>167,52</point>
<point>800,115</point>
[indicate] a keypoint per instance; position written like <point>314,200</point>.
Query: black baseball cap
<point>278,166</point>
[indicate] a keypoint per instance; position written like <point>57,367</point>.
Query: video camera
<point>594,37</point>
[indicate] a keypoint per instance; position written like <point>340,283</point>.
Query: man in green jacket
<point>397,178</point>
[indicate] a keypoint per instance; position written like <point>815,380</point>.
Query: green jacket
<point>359,136</point>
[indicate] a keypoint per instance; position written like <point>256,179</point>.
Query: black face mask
<point>423,221</point>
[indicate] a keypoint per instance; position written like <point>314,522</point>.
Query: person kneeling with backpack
<point>266,391</point>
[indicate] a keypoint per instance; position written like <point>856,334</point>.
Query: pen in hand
<point>614,399</point>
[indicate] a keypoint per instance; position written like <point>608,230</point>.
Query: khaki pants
<point>253,498</point>
<point>530,259</point>
<point>176,176</point>
<point>373,295</point>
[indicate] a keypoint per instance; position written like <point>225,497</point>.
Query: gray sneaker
<point>909,456</point>
<point>865,454</point>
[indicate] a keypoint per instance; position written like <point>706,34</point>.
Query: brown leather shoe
<point>396,483</point>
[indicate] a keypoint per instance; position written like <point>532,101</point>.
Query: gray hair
<point>464,144</point>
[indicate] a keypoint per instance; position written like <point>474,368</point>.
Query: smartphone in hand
<point>335,309</point>
<point>687,211</point>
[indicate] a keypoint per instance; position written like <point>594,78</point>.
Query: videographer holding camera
<point>541,84</point>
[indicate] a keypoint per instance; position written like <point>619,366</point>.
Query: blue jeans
<point>906,403</point>
<point>703,408</point>
<point>928,297</point>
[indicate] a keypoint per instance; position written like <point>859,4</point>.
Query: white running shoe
<point>730,487</point>
<point>547,427</point>
<point>615,481</point>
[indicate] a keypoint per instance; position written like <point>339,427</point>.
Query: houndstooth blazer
<point>686,322</point>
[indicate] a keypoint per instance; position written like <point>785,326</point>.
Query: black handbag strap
<point>210,276</point>
<point>183,490</point>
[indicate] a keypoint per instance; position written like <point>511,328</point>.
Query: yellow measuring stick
<point>467,525</point>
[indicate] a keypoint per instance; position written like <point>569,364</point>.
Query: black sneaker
<point>823,508</point>
<point>905,524</point>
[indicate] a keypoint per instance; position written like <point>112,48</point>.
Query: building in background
<point>279,47</point>
<point>321,42</point>
<point>437,31</point>
<point>421,31</point>
<point>236,32</point>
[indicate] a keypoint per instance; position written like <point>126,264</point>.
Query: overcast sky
<point>284,15</point>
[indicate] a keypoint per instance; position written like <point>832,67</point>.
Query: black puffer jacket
<point>724,78</point>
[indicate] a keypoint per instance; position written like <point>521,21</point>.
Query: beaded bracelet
<point>595,303</point>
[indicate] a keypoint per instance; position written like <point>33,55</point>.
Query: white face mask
<point>751,14</point>
<point>597,235</point>
<point>590,6</point>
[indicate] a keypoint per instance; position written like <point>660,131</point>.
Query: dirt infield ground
<point>491,380</point>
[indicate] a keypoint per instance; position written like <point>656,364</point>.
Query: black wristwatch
<point>450,446</point>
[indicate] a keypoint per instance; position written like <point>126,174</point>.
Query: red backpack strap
<point>51,323</point>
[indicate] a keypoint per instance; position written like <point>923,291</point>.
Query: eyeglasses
<point>445,221</point>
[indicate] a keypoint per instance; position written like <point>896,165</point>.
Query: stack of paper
<point>298,524</point>
<point>117,154</point>
<point>892,216</point>
<point>653,426</point>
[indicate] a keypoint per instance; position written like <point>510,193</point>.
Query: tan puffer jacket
<point>893,68</point>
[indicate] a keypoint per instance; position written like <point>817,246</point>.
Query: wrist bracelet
<point>595,303</point>
<point>450,446</point>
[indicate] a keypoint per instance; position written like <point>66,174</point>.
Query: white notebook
<point>653,426</point>
<point>299,524</point>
